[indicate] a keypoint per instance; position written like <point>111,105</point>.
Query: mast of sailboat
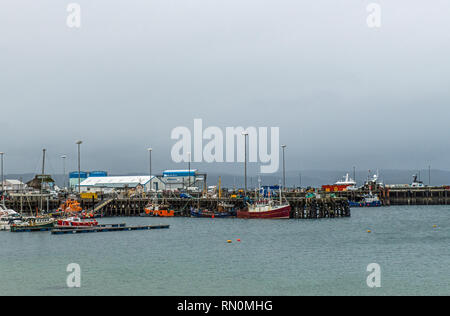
<point>220,189</point>
<point>259,188</point>
<point>42,174</point>
<point>21,195</point>
<point>281,197</point>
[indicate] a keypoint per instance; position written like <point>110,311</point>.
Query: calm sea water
<point>285,257</point>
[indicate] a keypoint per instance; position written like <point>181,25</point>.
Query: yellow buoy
<point>434,226</point>
<point>369,231</point>
<point>229,241</point>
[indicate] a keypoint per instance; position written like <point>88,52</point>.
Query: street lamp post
<point>63,157</point>
<point>245,162</point>
<point>284,168</point>
<point>3,180</point>
<point>150,170</point>
<point>189,170</point>
<point>79,166</point>
<point>429,175</point>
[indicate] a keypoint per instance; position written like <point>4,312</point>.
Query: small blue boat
<point>369,200</point>
<point>223,211</point>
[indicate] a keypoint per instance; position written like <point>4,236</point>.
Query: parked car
<point>185,196</point>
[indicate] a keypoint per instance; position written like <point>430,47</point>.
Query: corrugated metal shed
<point>116,182</point>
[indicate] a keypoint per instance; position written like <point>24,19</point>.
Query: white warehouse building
<point>109,184</point>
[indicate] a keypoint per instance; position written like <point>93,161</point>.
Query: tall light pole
<point>245,162</point>
<point>79,166</point>
<point>284,168</point>
<point>189,170</point>
<point>150,170</point>
<point>63,157</point>
<point>3,180</point>
<point>42,176</point>
<point>429,175</point>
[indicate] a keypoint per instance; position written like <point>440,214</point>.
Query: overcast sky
<point>342,93</point>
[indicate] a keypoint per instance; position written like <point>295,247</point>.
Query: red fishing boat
<point>265,209</point>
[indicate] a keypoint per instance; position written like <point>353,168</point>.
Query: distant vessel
<point>347,183</point>
<point>369,200</point>
<point>417,183</point>
<point>8,217</point>
<point>373,182</point>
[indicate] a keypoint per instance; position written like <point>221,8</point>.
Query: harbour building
<point>73,177</point>
<point>183,179</point>
<point>110,184</point>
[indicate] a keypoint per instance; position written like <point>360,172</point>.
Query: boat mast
<point>42,174</point>
<point>259,188</point>
<point>281,197</point>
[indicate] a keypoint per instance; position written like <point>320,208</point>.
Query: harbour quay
<point>403,196</point>
<point>301,206</point>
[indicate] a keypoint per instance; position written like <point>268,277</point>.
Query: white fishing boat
<point>8,217</point>
<point>417,183</point>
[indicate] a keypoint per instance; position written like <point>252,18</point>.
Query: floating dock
<point>96,229</point>
<point>106,229</point>
<point>46,229</point>
<point>98,226</point>
<point>32,229</point>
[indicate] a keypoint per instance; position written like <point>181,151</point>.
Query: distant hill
<point>314,178</point>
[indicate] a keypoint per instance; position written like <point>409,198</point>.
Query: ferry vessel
<point>347,183</point>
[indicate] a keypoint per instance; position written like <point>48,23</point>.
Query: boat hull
<point>278,213</point>
<point>209,214</point>
<point>77,224</point>
<point>159,213</point>
<point>364,204</point>
<point>15,228</point>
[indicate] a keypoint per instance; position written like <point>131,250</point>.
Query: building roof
<point>116,182</point>
<point>179,173</point>
<point>13,182</point>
